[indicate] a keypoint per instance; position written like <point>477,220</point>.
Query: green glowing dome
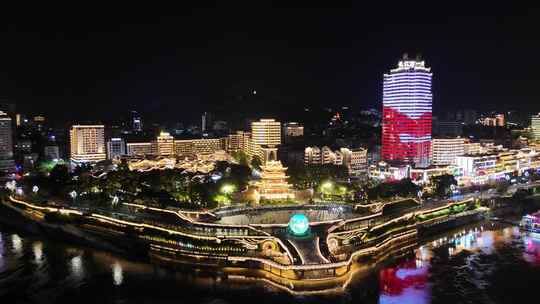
<point>299,224</point>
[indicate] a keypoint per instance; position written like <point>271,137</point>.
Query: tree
<point>240,175</point>
<point>221,166</point>
<point>443,184</point>
<point>256,162</point>
<point>241,158</point>
<point>404,188</point>
<point>311,176</point>
<point>58,179</point>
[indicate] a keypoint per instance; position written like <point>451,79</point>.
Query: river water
<point>483,263</point>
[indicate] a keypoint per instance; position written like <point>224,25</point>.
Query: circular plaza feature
<point>299,225</point>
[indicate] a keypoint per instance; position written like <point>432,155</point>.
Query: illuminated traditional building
<point>87,143</point>
<point>407,117</point>
<point>273,183</point>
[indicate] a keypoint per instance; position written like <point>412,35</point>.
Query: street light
<point>326,186</point>
<point>35,189</point>
<point>73,195</point>
<point>228,189</point>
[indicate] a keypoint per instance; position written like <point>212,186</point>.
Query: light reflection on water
<point>76,266</point>
<point>408,281</point>
<point>17,243</point>
<point>1,251</point>
<point>103,277</point>
<point>37,248</point>
<point>118,274</point>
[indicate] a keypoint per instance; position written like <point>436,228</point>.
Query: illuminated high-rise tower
<point>7,164</point>
<point>87,143</point>
<point>407,106</point>
<point>136,122</point>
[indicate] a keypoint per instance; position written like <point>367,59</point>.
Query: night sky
<point>81,63</point>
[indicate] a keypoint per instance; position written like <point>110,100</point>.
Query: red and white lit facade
<point>407,108</point>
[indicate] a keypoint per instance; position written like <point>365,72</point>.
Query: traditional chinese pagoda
<point>273,183</point>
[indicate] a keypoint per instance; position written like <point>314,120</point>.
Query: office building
<point>116,148</point>
<point>292,130</point>
<point>266,132</point>
<point>493,121</point>
<point>446,150</point>
<point>450,128</point>
<point>136,122</point>
<point>140,149</point>
<point>51,152</point>
<point>500,121</point>
<point>535,126</point>
<point>238,141</point>
<point>207,122</point>
<point>39,119</point>
<point>165,144</point>
<point>23,146</point>
<point>87,143</point>
<point>7,164</point>
<point>199,146</point>
<point>469,117</point>
<point>472,148</point>
<point>407,113</point>
<point>265,138</point>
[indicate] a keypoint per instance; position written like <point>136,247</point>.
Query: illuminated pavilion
<point>273,184</point>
